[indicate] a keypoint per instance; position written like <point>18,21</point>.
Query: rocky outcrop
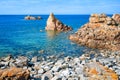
<point>55,25</point>
<point>32,18</point>
<point>14,74</point>
<point>116,17</point>
<point>100,32</point>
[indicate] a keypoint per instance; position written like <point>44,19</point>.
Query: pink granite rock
<point>100,32</point>
<point>55,25</point>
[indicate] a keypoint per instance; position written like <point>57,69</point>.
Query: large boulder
<point>14,74</point>
<point>116,17</point>
<point>55,25</point>
<point>100,32</point>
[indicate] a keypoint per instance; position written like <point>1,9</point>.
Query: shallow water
<point>23,37</point>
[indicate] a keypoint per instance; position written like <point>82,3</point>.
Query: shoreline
<point>89,66</point>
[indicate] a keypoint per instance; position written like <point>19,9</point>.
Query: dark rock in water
<point>32,18</point>
<point>39,17</point>
<point>41,51</point>
<point>100,32</point>
<point>55,25</point>
<point>14,74</point>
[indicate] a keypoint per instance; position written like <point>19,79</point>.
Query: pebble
<point>55,68</point>
<point>34,59</point>
<point>41,71</point>
<point>57,77</point>
<point>47,76</point>
<point>65,72</point>
<point>79,70</point>
<point>118,72</point>
<point>47,68</point>
<point>67,68</point>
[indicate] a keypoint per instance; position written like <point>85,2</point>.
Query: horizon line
<point>60,14</point>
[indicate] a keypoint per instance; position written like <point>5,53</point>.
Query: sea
<point>29,37</point>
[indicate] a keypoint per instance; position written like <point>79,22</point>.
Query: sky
<point>59,6</point>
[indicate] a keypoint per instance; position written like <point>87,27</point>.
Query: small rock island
<point>32,18</point>
<point>102,32</point>
<point>54,24</point>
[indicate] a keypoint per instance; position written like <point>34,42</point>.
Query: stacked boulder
<point>56,25</point>
<point>102,32</point>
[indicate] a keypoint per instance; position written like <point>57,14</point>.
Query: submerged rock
<point>55,25</point>
<point>100,32</point>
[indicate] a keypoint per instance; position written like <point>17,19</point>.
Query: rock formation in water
<point>14,74</point>
<point>100,32</point>
<point>56,25</point>
<point>32,18</point>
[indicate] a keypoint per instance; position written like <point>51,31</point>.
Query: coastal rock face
<point>55,25</point>
<point>116,17</point>
<point>14,74</point>
<point>100,32</point>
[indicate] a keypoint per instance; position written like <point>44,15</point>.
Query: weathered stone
<point>116,17</point>
<point>8,58</point>
<point>47,68</point>
<point>34,59</point>
<point>21,61</point>
<point>65,72</point>
<point>41,71</point>
<point>118,72</point>
<point>4,64</point>
<point>73,78</point>
<point>55,25</point>
<point>14,74</point>
<point>68,58</point>
<point>47,76</point>
<point>79,70</point>
<point>82,77</point>
<point>59,62</point>
<point>57,78</point>
<point>56,68</point>
<point>76,60</point>
<point>96,71</point>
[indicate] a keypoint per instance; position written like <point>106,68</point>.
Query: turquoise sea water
<point>23,37</point>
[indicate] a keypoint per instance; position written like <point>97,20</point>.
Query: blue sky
<point>59,6</point>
